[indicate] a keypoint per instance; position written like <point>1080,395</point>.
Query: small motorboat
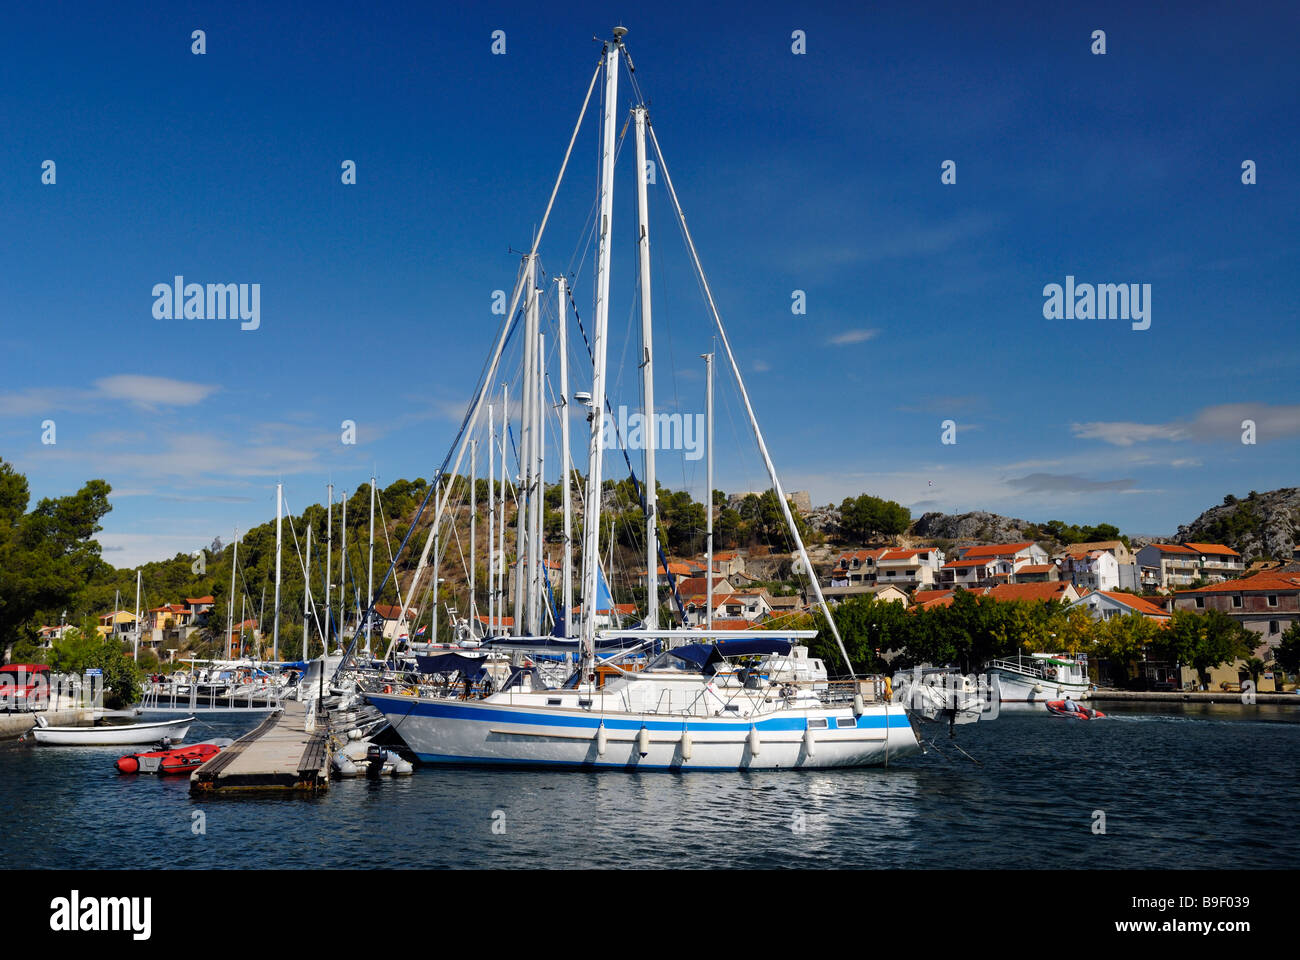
<point>178,760</point>
<point>1068,708</point>
<point>126,734</point>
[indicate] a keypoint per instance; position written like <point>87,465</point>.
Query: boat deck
<point>278,755</point>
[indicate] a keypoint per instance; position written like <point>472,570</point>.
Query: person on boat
<point>1071,705</point>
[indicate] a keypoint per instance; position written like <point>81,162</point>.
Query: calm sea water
<point>1184,786</point>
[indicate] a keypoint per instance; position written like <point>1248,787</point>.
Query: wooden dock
<point>280,755</point>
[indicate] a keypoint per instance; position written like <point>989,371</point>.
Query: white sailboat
<point>702,699</point>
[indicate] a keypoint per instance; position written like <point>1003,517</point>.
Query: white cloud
<point>1125,434</point>
<point>861,335</point>
<point>1220,422</point>
<point>154,391</point>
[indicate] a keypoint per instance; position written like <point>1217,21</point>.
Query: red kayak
<point>1062,708</point>
<point>180,760</point>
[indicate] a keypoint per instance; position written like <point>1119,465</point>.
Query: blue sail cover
<point>449,663</point>
<point>704,654</point>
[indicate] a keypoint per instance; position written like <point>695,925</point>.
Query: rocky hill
<point>1258,525</point>
<point>978,525</point>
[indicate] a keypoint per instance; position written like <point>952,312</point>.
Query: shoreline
<point>1197,696</point>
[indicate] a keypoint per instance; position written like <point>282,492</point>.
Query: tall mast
<point>306,594</point>
<point>473,527</point>
<point>230,617</point>
<point>708,492</point>
<point>113,632</point>
<point>539,482</point>
<point>279,512</point>
<point>501,524</point>
<point>565,456</point>
<point>135,652</point>
<point>243,618</point>
<point>648,432</point>
<point>343,563</point>
<point>329,558</point>
<point>370,580</point>
<point>437,562</point>
<point>591,522</point>
<point>492,517</point>
<point>524,568</point>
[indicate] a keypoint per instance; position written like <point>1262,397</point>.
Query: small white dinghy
<point>128,734</point>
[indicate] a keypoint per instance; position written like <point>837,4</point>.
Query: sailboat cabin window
<point>817,723</point>
<point>846,722</point>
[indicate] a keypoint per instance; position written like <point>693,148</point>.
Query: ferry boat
<point>1040,677</point>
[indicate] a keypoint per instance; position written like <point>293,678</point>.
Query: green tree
<point>1288,649</point>
<point>47,554</point>
<point>866,517</point>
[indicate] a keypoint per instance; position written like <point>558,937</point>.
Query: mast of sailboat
<point>113,632</point>
<point>523,522</point>
<point>473,527</point>
<point>492,518</point>
<point>343,563</point>
<point>749,410</point>
<point>370,580</point>
<point>566,465</point>
<point>437,562</point>
<point>135,652</point>
<point>648,432</point>
<point>539,481</point>
<point>279,511</point>
<point>591,520</point>
<point>230,614</point>
<point>708,488</point>
<point>501,521</point>
<point>306,593</point>
<point>243,618</point>
<point>329,558</point>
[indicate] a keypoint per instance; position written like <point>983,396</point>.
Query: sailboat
<point>644,696</point>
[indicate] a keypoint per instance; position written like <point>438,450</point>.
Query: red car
<point>24,686</point>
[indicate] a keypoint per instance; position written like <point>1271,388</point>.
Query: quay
<point>1197,696</point>
<point>14,725</point>
<point>279,755</point>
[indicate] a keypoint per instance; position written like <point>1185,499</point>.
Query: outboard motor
<point>376,757</point>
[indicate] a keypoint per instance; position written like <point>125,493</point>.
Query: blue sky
<point>817,172</point>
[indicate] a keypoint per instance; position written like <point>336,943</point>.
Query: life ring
<point>388,688</point>
<point>1051,673</point>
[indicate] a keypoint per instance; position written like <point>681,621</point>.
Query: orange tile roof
<point>1142,606</point>
<point>968,563</point>
<point>1035,568</point>
<point>997,549</point>
<point>1170,548</point>
<point>732,625</point>
<point>1266,581</point>
<point>1049,590</point>
<point>194,600</point>
<point>1212,548</point>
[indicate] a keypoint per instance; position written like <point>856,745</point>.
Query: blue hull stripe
<point>413,707</point>
<point>432,758</point>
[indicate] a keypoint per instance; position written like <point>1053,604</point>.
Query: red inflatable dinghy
<point>180,760</point>
<point>1062,708</point>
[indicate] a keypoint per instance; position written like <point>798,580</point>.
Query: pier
<point>14,725</point>
<point>1191,696</point>
<point>279,755</point>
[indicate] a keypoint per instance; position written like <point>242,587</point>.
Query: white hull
<point>128,735</point>
<point>487,732</point>
<point>1019,688</point>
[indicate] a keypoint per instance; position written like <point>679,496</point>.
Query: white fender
<point>754,741</point>
<point>686,744</point>
<point>1038,688</point>
<point>602,739</point>
<point>643,742</point>
<point>858,708</point>
<point>809,742</point>
<point>403,768</point>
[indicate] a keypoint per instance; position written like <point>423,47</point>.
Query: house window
<point>1272,599</point>
<point>1236,600</point>
<point>1200,603</point>
<point>1272,626</point>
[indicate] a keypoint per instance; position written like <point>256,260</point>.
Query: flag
<point>420,632</point>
